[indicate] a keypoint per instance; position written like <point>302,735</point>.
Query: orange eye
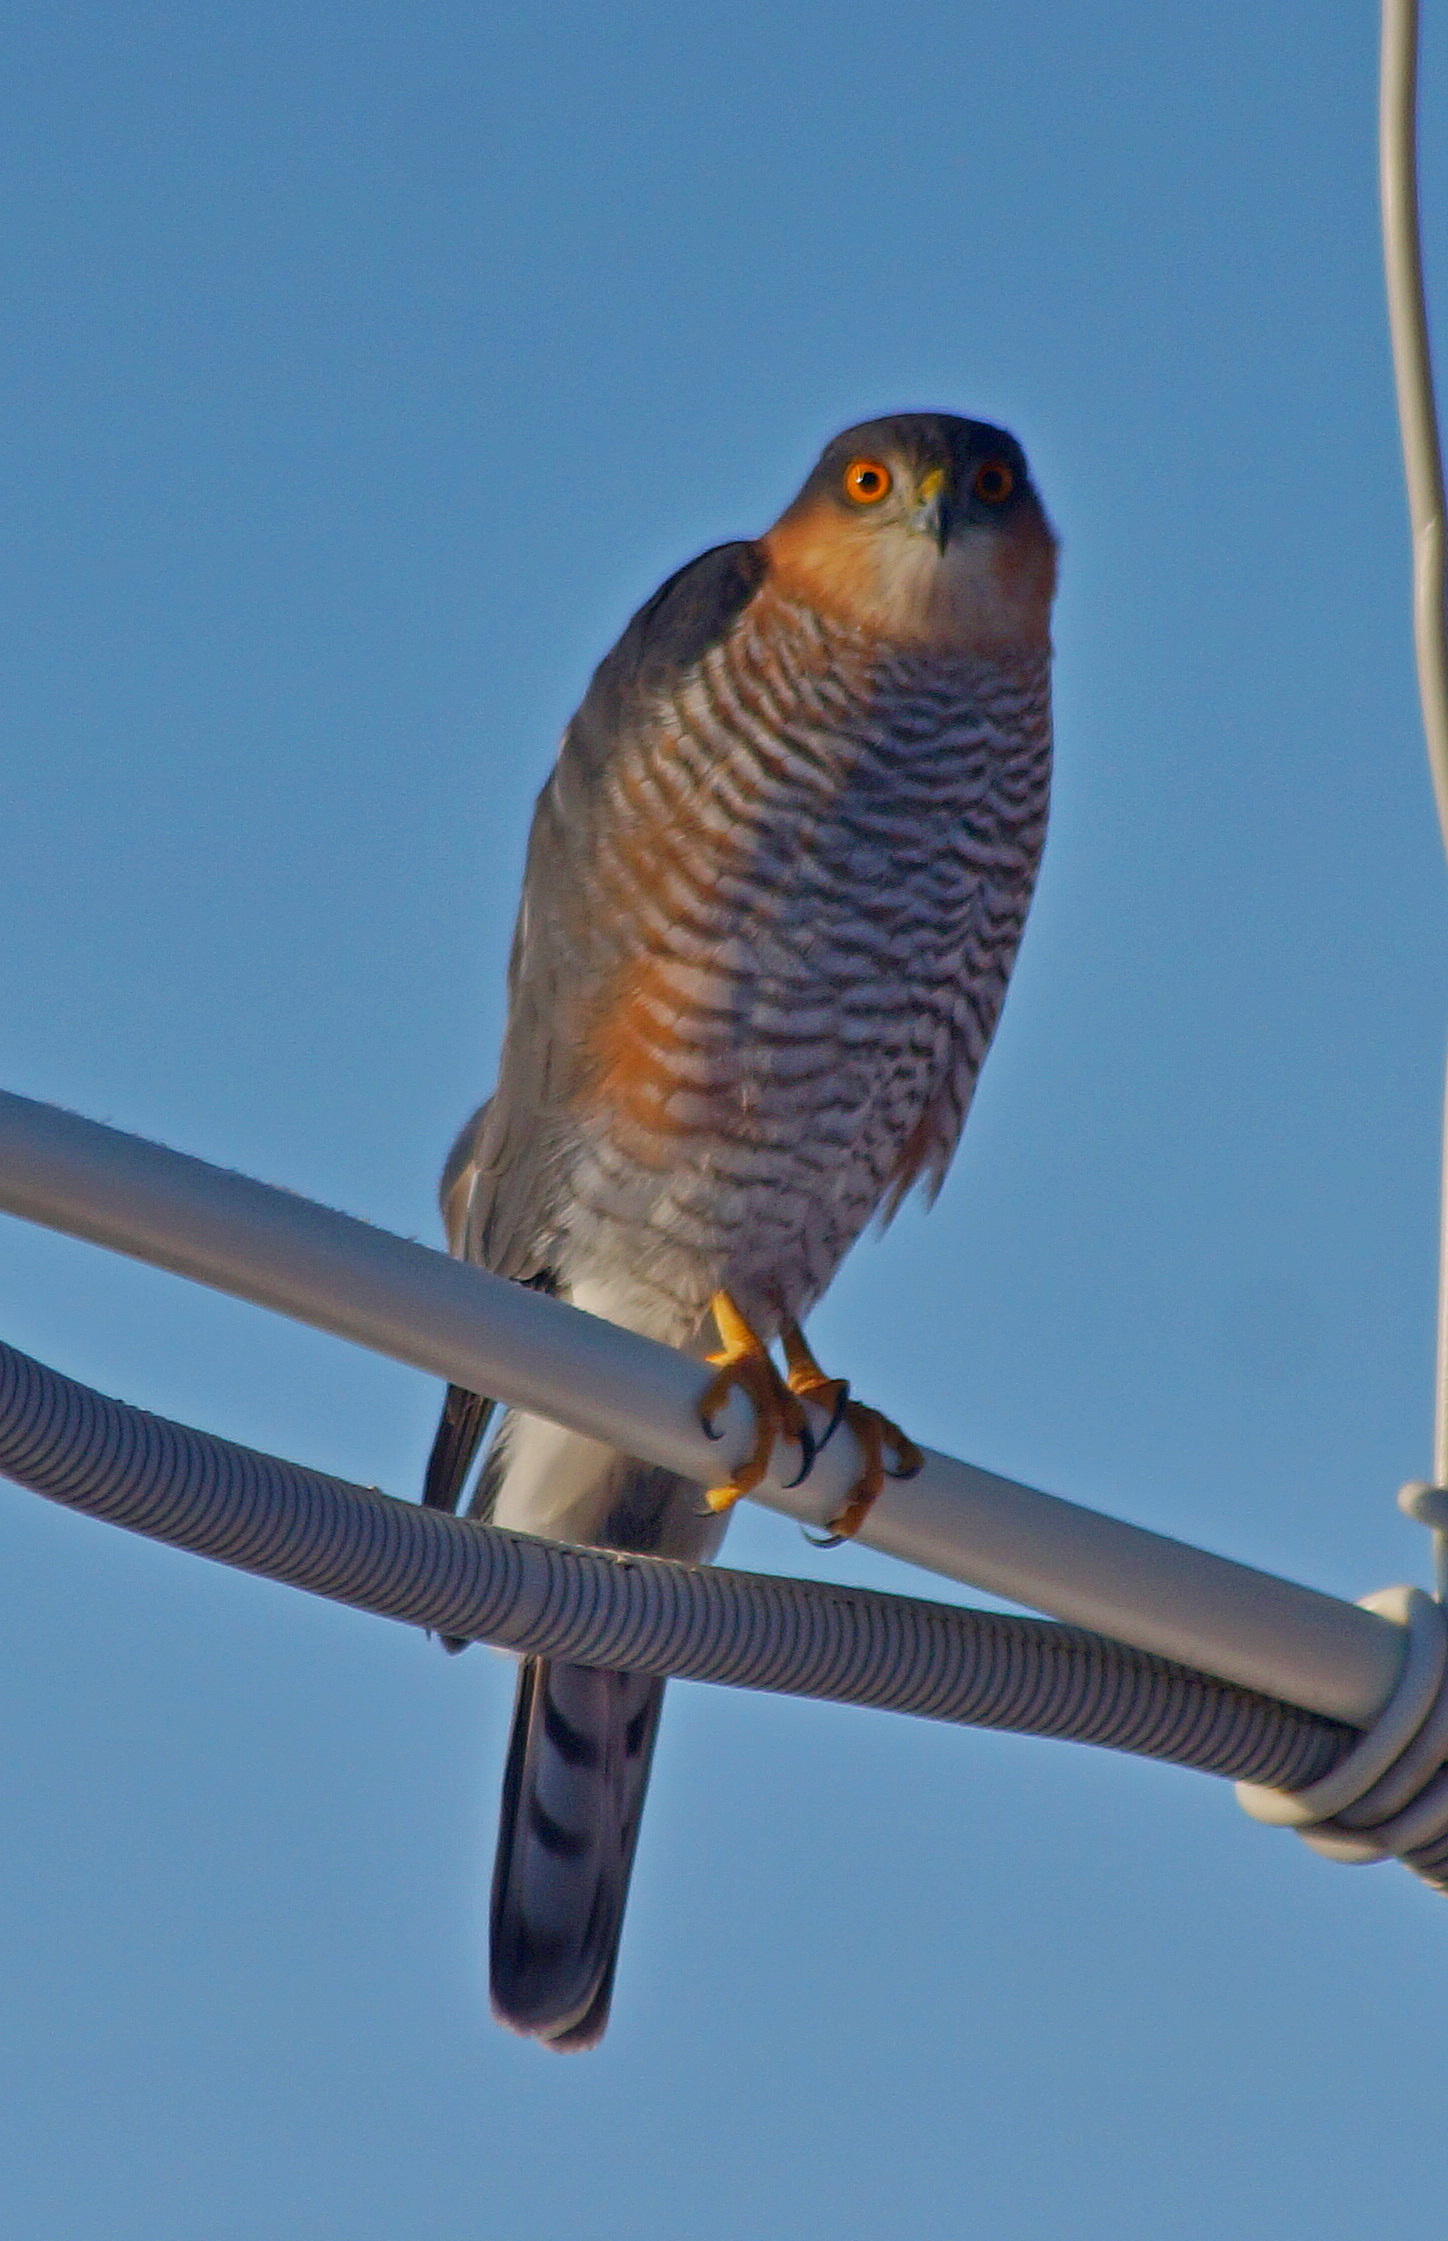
<point>867,481</point>
<point>994,482</point>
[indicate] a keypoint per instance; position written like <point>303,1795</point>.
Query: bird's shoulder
<point>689,614</point>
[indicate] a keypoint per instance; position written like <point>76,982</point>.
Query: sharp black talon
<point>808,1451</point>
<point>837,1418</point>
<point>823,1540</point>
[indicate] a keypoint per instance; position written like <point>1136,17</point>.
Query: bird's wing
<point>505,1179</point>
<point>505,1183</point>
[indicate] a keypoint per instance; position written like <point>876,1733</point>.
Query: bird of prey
<point>774,891</point>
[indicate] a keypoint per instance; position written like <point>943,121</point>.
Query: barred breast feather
<point>784,910</point>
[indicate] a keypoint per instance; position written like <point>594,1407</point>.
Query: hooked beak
<point>933,513</point>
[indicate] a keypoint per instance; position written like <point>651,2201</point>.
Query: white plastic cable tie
<point>1390,1794</point>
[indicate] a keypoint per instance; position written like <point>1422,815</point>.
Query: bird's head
<point>922,529</point>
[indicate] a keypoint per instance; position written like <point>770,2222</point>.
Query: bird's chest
<point>808,920</point>
<point>802,897</point>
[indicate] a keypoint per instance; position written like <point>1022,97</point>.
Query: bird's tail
<point>573,1795</point>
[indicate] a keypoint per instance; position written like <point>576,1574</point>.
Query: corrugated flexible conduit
<point>848,1645</point>
<point>796,1637</point>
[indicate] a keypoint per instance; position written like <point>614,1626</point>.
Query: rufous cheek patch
<point>821,559</point>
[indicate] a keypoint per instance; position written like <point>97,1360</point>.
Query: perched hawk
<point>774,891</point>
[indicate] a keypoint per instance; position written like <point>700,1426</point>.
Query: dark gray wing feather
<point>505,1177</point>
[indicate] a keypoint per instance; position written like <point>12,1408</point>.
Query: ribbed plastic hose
<point>795,1637</point>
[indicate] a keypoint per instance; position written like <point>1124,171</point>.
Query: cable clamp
<point>1389,1795</point>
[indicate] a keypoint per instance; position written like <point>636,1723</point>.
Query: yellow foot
<point>874,1432</point>
<point>743,1361</point>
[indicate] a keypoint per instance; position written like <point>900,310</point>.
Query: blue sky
<point>361,370</point>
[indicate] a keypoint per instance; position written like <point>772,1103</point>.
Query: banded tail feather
<point>573,1794</point>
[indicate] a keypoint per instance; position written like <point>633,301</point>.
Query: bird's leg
<point>743,1360</point>
<point>807,1378</point>
<point>873,1431</point>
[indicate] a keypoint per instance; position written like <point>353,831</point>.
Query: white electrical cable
<point>1413,371</point>
<point>1390,1794</point>
<point>1423,471</point>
